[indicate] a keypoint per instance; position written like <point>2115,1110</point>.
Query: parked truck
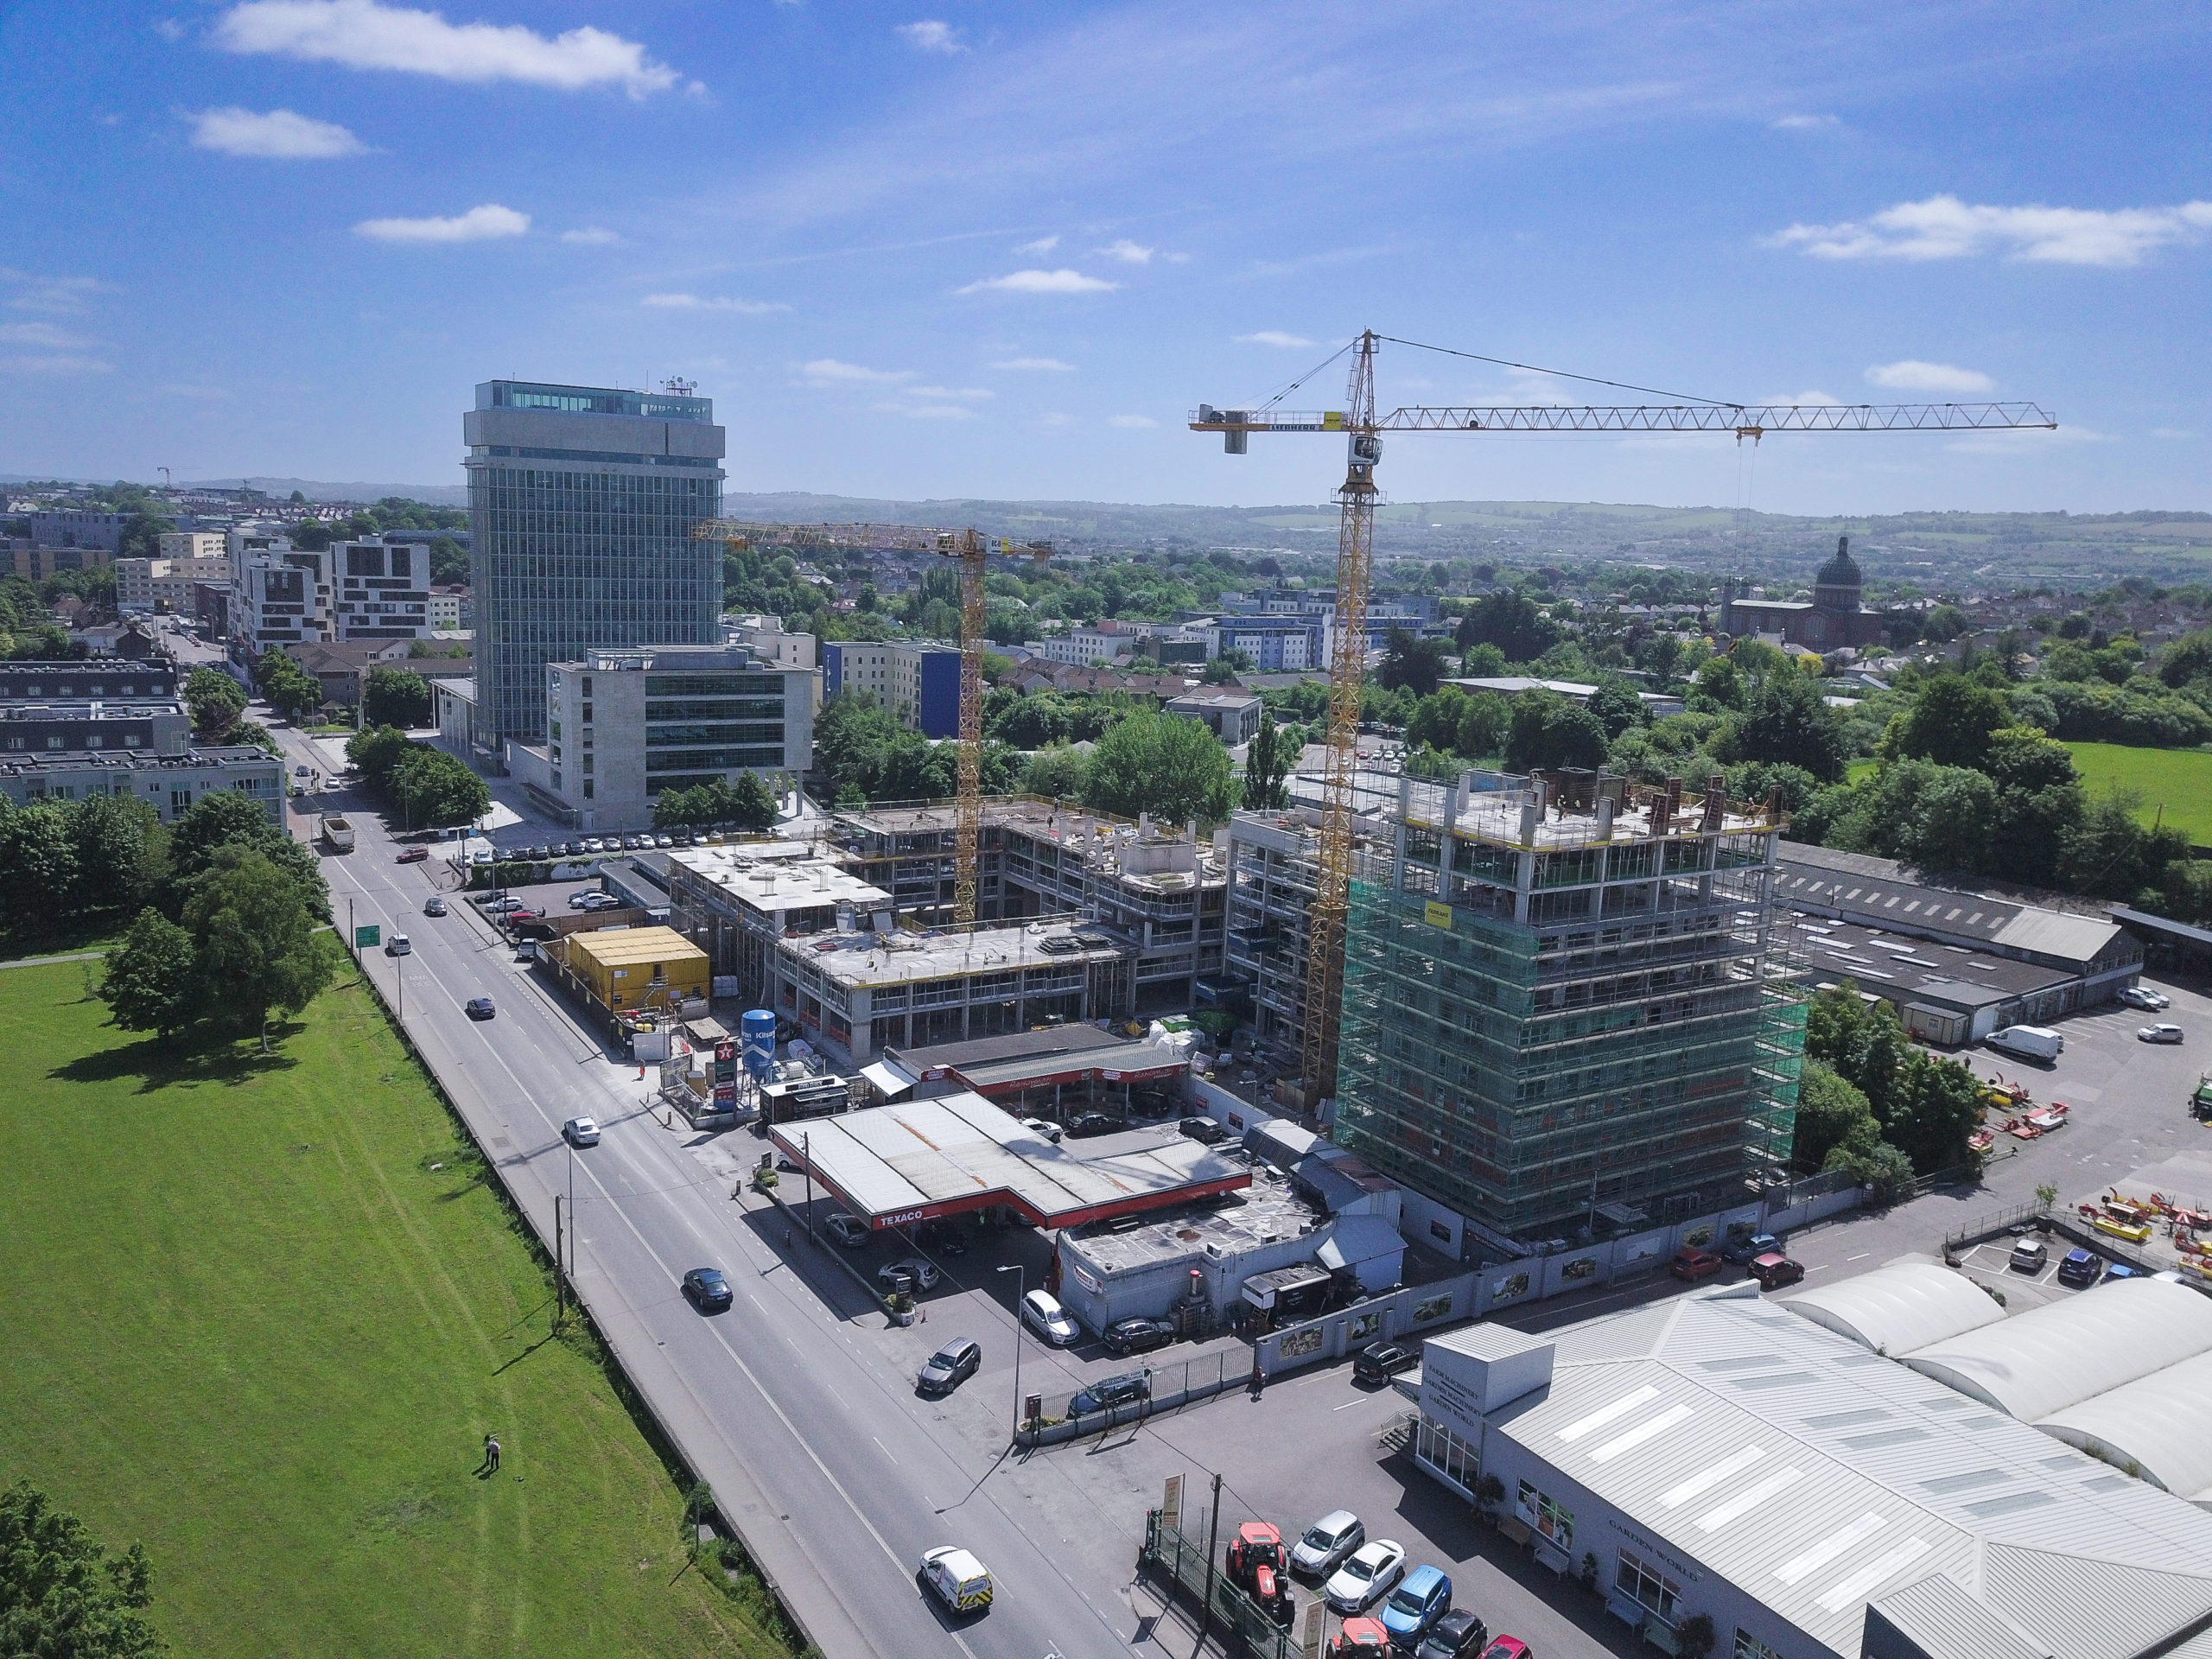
<point>337,832</point>
<point>2200,1103</point>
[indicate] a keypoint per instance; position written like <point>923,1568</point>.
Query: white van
<point>2029,1042</point>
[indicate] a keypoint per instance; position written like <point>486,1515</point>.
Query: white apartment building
<point>444,611</point>
<point>143,585</point>
<point>382,590</point>
<point>283,598</point>
<point>194,544</point>
<point>1109,642</point>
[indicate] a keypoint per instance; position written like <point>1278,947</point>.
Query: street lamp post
<point>1021,1281</point>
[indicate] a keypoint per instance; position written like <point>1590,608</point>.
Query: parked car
<point>956,1579</point>
<point>480,1007</point>
<point>1320,1550</point>
<point>434,905</point>
<point>1774,1270</point>
<point>950,1366</point>
<point>1381,1361</point>
<point>1744,1247</point>
<point>2080,1268</point>
<point>946,1237</point>
<point>1136,1336</point>
<point>663,841</point>
<point>1111,1394</point>
<point>1459,1634</point>
<point>1042,1313</point>
<point>2160,1033</point>
<point>1692,1263</point>
<point>526,951</point>
<point>2142,996</point>
<point>412,855</point>
<point>582,1131</point>
<point>1508,1647</point>
<point>1420,1600</point>
<point>581,897</point>
<point>1203,1130</point>
<point>540,854</point>
<point>593,844</point>
<point>1084,1123</point>
<point>500,904</point>
<point>1038,1125</point>
<point>918,1273</point>
<point>2028,1255</point>
<point>849,1231</point>
<point>526,914</point>
<point>1367,1574</point>
<point>707,1290</point>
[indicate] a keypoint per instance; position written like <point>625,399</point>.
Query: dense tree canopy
<point>62,1596</point>
<point>396,696</point>
<point>1549,730</point>
<point>215,702</point>
<point>1163,764</point>
<point>1511,622</point>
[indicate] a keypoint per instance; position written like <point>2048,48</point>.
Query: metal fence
<point>1179,1557</point>
<point>1166,1386</point>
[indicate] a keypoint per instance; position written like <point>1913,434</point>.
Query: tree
<point>1163,764</point>
<point>1483,729</point>
<point>753,804</point>
<point>1058,770</point>
<point>375,752</point>
<point>256,949</point>
<point>141,534</point>
<point>286,687</point>
<point>1616,705</point>
<point>1830,1109</point>
<point>61,1596</point>
<point>1437,717</point>
<point>1412,662</point>
<point>432,788</point>
<point>214,701</point>
<point>1484,661</point>
<point>220,818</point>
<point>1950,723</point>
<point>38,868</point>
<point>1267,762</point>
<point>1718,685</point>
<point>448,561</point>
<point>1785,719</point>
<point>122,852</point>
<point>152,980</point>
<point>1510,620</point>
<point>1549,730</point>
<point>395,696</point>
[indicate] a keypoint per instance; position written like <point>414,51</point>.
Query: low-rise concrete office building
<point>1230,715</point>
<point>170,784</point>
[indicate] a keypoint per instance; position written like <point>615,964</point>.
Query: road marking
<point>1348,1405</point>
<point>1823,1268</point>
<point>1861,1256</point>
<point>881,1447</point>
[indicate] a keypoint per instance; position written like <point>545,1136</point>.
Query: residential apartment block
<point>918,681</point>
<point>145,586</point>
<point>170,784</point>
<point>89,706</point>
<point>382,590</point>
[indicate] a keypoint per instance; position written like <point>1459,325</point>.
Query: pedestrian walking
<point>787,1239</point>
<point>491,1453</point>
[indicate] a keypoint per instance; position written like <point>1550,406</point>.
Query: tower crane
<point>1363,427</point>
<point>972,550</point>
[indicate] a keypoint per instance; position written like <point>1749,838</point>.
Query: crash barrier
<point>1163,1388</point>
<point>1179,1558</point>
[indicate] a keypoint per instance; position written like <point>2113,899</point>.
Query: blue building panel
<point>940,694</point>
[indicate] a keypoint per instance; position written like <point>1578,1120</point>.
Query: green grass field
<point>2177,780</point>
<point>247,1322</point>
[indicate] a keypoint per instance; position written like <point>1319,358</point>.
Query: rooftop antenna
<point>679,386</point>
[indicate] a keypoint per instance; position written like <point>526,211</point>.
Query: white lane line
<point>1823,1268</point>
<point>1348,1405</point>
<point>881,1447</point>
<point>1861,1256</point>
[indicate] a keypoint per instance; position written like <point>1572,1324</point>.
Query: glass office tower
<point>581,503</point>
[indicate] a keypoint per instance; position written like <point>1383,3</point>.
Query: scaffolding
<point>1559,995</point>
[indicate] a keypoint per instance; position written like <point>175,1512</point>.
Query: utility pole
<point>1021,1281</point>
<point>806,1156</point>
<point>560,1256</point>
<point>1213,1536</point>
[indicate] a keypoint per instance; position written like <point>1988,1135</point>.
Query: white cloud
<point>368,35</point>
<point>1799,400</point>
<point>1912,375</point>
<point>1056,418</point>
<point>590,236</point>
<point>1943,227</point>
<point>58,295</point>
<point>42,334</point>
<point>938,412</point>
<point>196,394</point>
<point>1132,423</point>
<point>281,135</point>
<point>1804,122</point>
<point>827,370</point>
<point>695,302</point>
<point>2172,432</point>
<point>1041,247</point>
<point>1128,252</point>
<point>481,223</point>
<point>1272,337</point>
<point>1051,364</point>
<point>62,364</point>
<point>930,36</point>
<point>968,393</point>
<point>1042,282</point>
<point>168,29</point>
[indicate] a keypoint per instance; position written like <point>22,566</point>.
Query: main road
<point>824,1458</point>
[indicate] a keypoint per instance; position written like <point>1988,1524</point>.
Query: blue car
<point>1424,1597</point>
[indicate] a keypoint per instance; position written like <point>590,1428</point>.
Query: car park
<point>920,1275</point>
<point>2142,996</point>
<point>480,1007</point>
<point>1137,1336</point>
<point>2080,1268</point>
<point>1111,1394</point>
<point>1381,1361</point>
<point>1320,1550</point>
<point>1742,1248</point>
<point>2159,1033</point>
<point>1460,1633</point>
<point>707,1289</point>
<point>582,1131</point>
<point>2028,1255</point>
<point>412,855</point>
<point>1086,1123</point>
<point>956,1579</point>
<point>949,1366</point>
<point>1042,1313</point>
<point>849,1231</point>
<point>1368,1575</point>
<point>1692,1263</point>
<point>1774,1270</point>
<point>1203,1130</point>
<point>434,905</point>
<point>1421,1598</point>
<point>1038,1125</point>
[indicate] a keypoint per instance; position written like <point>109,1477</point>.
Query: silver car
<point>2161,1034</point>
<point>1325,1544</point>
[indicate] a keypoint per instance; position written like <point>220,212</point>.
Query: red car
<point>1774,1270</point>
<point>524,914</point>
<point>1691,1263</point>
<point>1508,1647</point>
<point>413,856</point>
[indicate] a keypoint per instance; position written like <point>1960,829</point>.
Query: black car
<point>1111,1393</point>
<point>1138,1335</point>
<point>1203,1130</point>
<point>949,1366</point>
<point>1381,1361</point>
<point>1093,1123</point>
<point>479,1007</point>
<point>540,853</point>
<point>707,1290</point>
<point>2080,1268</point>
<point>1458,1635</point>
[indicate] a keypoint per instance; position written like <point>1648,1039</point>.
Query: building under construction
<point>1564,1000</point>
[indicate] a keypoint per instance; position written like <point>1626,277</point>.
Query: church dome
<point>1840,571</point>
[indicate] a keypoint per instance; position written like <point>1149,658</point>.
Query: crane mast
<point>1328,921</point>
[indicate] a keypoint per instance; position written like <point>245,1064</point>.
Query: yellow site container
<point>630,968</point>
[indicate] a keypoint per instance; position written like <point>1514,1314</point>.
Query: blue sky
<point>1001,250</point>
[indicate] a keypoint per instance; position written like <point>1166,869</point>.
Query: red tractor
<point>1271,1590</point>
<point>1360,1638</point>
<point>1258,1544</point>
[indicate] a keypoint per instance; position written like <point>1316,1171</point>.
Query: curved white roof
<point>1897,1308</point>
<point>2042,1361</point>
<point>2158,1423</point>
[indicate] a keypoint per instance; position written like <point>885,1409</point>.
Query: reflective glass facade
<point>581,501</point>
